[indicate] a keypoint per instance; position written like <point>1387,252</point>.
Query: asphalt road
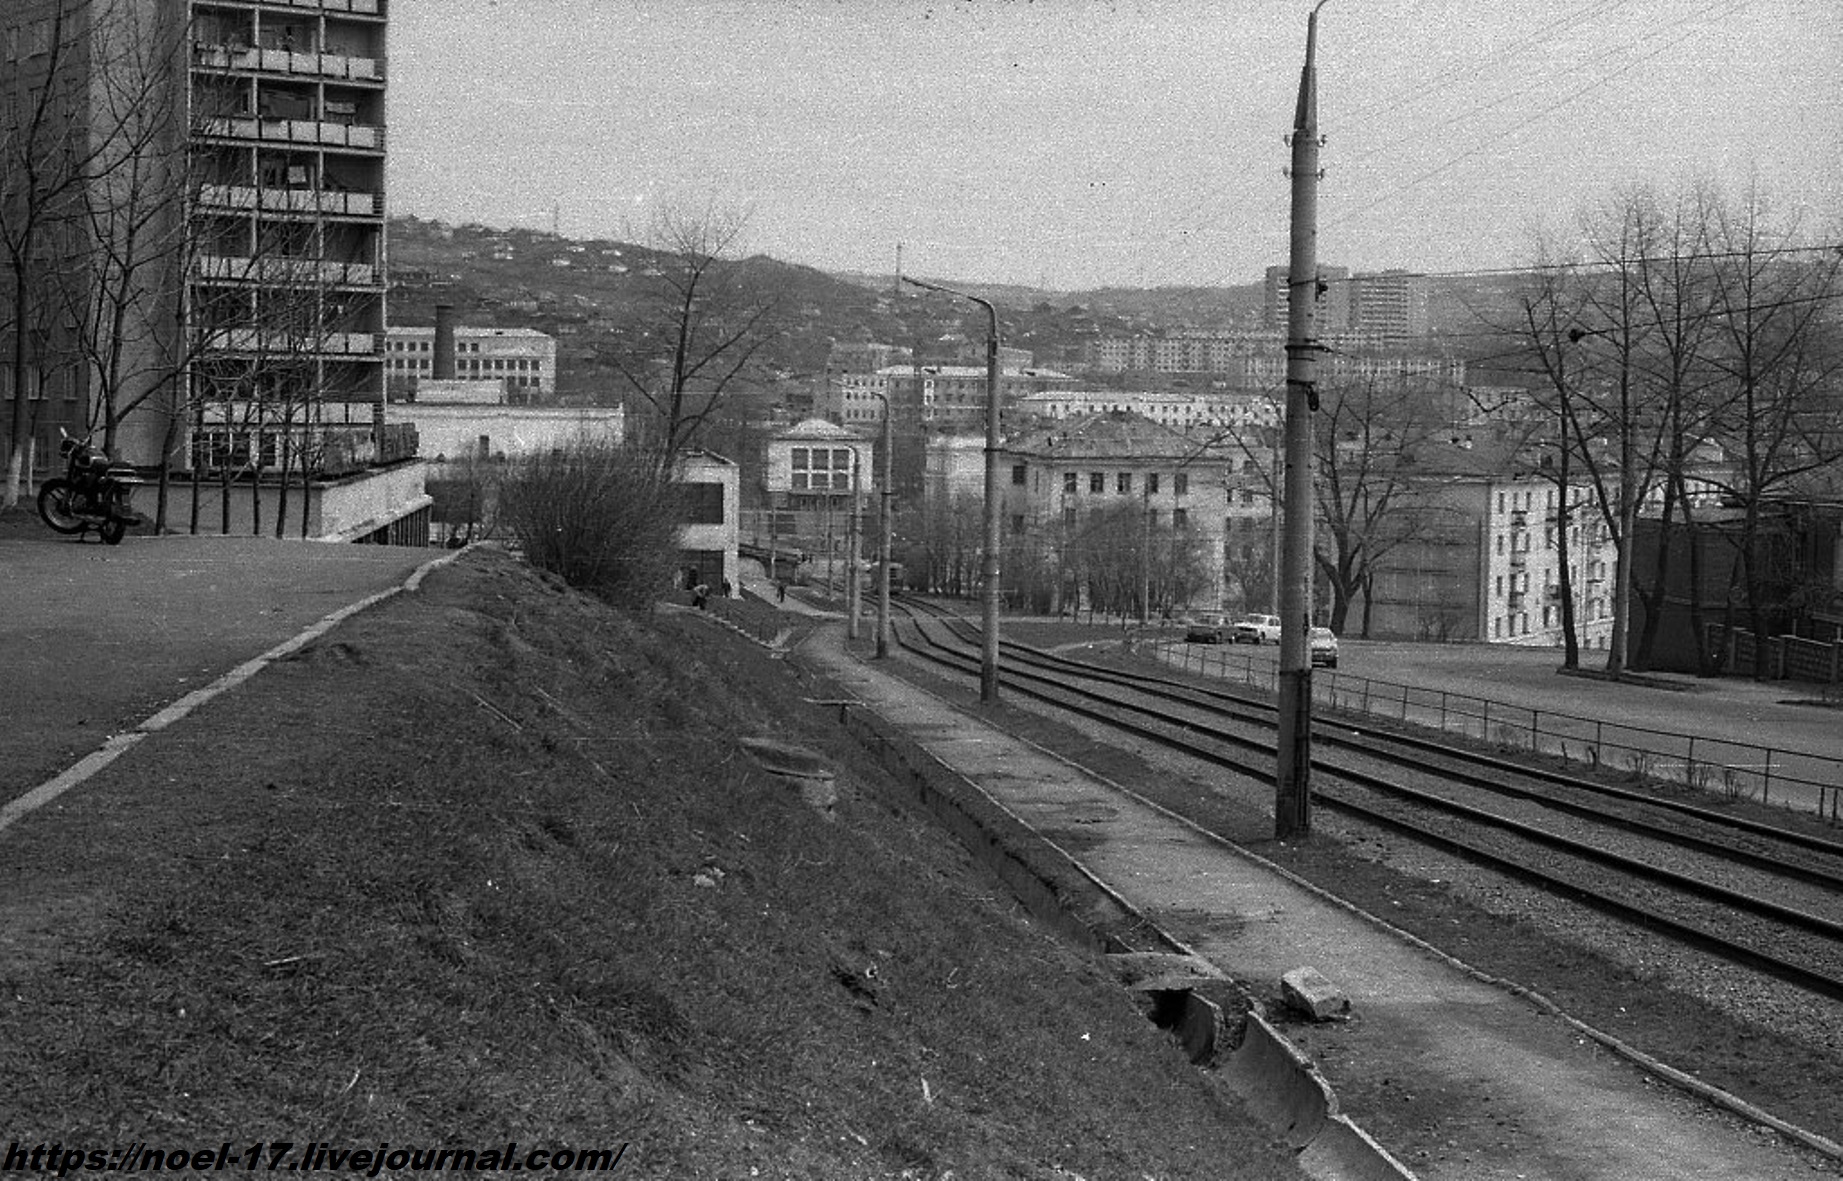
<point>94,638</point>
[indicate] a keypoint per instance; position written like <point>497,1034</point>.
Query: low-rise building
<point>523,359</point>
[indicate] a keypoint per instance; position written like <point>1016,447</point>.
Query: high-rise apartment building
<point>228,187</point>
<point>286,291</point>
<point>1386,307</point>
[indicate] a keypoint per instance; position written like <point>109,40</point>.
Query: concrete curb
<point>1271,1076</point>
<point>118,745</point>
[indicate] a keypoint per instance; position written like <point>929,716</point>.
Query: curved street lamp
<point>988,659</point>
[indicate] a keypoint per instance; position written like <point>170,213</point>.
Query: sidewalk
<point>1529,1096</point>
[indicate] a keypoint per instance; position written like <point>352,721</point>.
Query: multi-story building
<point>1385,307</point>
<point>1333,299</point>
<point>1058,479</point>
<point>1179,412</point>
<point>237,148</point>
<point>1479,555</point>
<point>286,295</point>
<point>524,360</point>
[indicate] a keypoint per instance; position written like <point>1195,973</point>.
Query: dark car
<point>1206,628</point>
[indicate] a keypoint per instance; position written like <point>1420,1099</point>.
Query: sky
<point>1074,144</point>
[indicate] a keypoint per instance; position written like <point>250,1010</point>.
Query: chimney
<point>443,361</point>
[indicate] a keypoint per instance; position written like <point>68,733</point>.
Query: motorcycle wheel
<point>54,507</point>
<point>112,530</point>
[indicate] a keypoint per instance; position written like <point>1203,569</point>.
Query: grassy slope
<point>478,816</point>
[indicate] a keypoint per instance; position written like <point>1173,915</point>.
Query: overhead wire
<point>1725,8</point>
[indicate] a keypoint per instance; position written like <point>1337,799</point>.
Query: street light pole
<point>1293,772</point>
<point>988,659</point>
<point>883,530</point>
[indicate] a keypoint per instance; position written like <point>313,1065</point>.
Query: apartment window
<point>1017,524</point>
<point>1180,519</point>
<point>1151,483</point>
<point>1500,502</point>
<point>1247,496</point>
<point>1123,483</point>
<point>1068,483</point>
<point>1500,586</point>
<point>1500,543</point>
<point>1017,474</point>
<point>1068,518</point>
<point>1497,629</point>
<point>1180,483</point>
<point>1097,481</point>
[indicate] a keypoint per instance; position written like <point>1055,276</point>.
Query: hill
<point>486,865</point>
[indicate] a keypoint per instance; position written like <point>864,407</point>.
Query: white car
<point>1322,645</point>
<point>1257,629</point>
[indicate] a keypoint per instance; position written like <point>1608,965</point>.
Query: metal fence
<point>1804,780</point>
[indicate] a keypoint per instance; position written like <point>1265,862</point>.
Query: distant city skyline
<point>1080,143</point>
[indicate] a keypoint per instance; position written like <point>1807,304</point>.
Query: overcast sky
<point>1076,143</point>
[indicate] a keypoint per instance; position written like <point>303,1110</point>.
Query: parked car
<point>1322,645</point>
<point>1206,628</point>
<point>1257,629</point>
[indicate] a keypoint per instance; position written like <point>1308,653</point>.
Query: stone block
<point>1307,991</point>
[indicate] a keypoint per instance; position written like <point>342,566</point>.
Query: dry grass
<point>486,863</point>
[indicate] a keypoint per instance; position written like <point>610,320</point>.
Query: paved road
<point>95,638</point>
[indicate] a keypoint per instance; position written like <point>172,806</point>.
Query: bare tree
<point>705,319</point>
<point>1371,431</point>
<point>47,153</point>
<point>1779,361</point>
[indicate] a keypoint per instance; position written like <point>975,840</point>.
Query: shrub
<point>601,515</point>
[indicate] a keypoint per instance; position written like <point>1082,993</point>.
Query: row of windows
<point>821,469</point>
<point>1180,519</point>
<point>503,364</point>
<point>428,346</point>
<point>1506,626</point>
<point>1097,482</point>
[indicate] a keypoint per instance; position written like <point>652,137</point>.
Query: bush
<point>600,515</point>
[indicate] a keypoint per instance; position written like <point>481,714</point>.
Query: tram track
<point>1749,893</point>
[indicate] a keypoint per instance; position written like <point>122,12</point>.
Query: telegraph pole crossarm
<point>1293,770</point>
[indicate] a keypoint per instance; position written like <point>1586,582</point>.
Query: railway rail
<point>1766,897</point>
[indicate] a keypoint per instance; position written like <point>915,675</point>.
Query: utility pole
<point>852,586</point>
<point>988,660</point>
<point>1293,772</point>
<point>883,532</point>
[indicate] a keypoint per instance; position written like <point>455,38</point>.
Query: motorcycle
<point>93,493</point>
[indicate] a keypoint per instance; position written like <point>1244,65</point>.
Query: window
<point>1151,483</point>
<point>704,504</point>
<point>1180,519</point>
<point>1068,483</point>
<point>1017,474</point>
<point>1123,483</point>
<point>1180,483</point>
<point>1500,502</point>
<point>1068,517</point>
<point>1500,543</point>
<point>821,469</point>
<point>1499,592</point>
<point>1097,481</point>
<point>1017,524</point>
<point>1247,496</point>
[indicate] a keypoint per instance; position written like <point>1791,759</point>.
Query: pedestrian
<point>699,594</point>
<point>726,588</point>
<point>780,590</point>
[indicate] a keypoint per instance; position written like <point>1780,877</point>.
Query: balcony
<point>1519,558</point>
<point>287,61</point>
<point>247,197</point>
<point>296,131</point>
<point>292,272</point>
<point>291,344</point>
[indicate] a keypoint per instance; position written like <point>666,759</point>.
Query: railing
<point>288,61</point>
<point>294,271</point>
<point>288,200</point>
<point>255,340</point>
<point>296,131</point>
<point>1806,780</point>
